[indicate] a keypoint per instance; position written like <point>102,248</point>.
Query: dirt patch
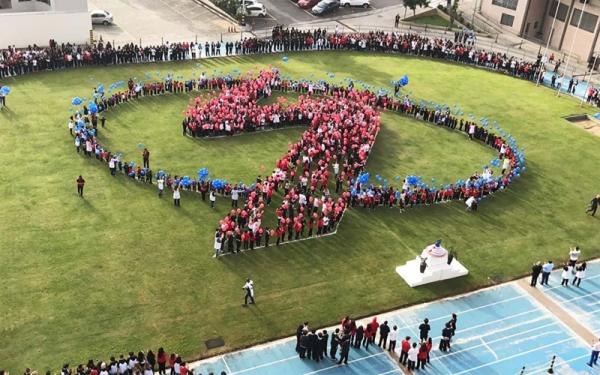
<point>585,122</point>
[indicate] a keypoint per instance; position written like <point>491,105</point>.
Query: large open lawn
<point>123,270</point>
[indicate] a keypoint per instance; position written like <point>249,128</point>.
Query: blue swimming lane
<point>499,331</point>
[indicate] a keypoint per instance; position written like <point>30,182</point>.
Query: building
<point>535,20</point>
<point>27,22</point>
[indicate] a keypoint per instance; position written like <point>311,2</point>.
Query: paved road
<point>286,12</point>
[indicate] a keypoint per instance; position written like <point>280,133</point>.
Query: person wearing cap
<point>536,269</point>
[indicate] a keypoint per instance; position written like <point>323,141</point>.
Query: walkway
<point>500,330</point>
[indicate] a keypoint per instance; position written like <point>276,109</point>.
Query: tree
<point>452,11</point>
<point>413,4</point>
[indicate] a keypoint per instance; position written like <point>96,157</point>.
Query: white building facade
<point>28,22</point>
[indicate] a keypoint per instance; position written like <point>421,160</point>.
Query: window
<point>588,21</point>
<point>507,19</point>
<point>45,1</point>
<point>562,11</point>
<point>510,4</point>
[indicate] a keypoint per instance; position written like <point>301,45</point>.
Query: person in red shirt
<point>405,347</point>
<point>161,358</point>
<point>80,184</point>
<point>422,356</point>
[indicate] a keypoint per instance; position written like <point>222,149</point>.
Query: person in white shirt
<point>213,198</point>
<point>412,356</point>
<point>234,197</point>
<point>393,338</point>
<point>176,196</point>
<point>595,351</point>
<point>471,203</point>
<point>574,254</point>
<point>160,183</point>
<point>249,288</point>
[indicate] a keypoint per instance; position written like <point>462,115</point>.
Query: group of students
<point>342,125</point>
<point>318,177</point>
<point>141,363</point>
<point>317,345</point>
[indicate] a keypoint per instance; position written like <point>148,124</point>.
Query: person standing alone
<point>80,184</point>
<point>249,288</point>
<point>593,205</point>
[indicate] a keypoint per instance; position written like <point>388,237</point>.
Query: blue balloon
<point>285,59</point>
<point>100,89</point>
<point>5,90</point>
<point>93,108</point>
<point>76,101</point>
<point>140,145</point>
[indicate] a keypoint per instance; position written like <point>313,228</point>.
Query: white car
<point>355,3</point>
<point>256,10</point>
<point>101,17</point>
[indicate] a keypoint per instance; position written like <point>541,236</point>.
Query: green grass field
<point>123,270</point>
<point>434,20</point>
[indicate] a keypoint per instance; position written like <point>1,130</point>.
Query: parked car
<point>256,10</point>
<point>101,17</point>
<point>355,3</point>
<point>307,4</point>
<point>325,6</point>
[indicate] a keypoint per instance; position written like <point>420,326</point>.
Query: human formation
<point>319,176</point>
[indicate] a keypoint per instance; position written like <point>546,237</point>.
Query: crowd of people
<point>321,174</point>
<point>412,352</point>
<point>142,363</point>
<point>461,48</point>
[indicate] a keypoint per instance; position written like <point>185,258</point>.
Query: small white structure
<point>28,22</point>
<point>435,257</point>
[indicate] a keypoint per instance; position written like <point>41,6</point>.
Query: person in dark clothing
<point>324,341</point>
<point>359,336</point>
<point>299,336</point>
<point>344,350</point>
<point>80,185</point>
<point>536,269</point>
<point>312,346</point>
<point>445,340</point>
<point>304,345</point>
<point>424,329</point>
<point>593,205</point>
<point>384,330</point>
<point>335,342</point>
<point>452,323</point>
<point>102,120</point>
<point>146,158</point>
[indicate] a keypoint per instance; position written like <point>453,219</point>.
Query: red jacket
<point>405,346</point>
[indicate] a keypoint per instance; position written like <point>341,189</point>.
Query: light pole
<point>572,45</point>
<point>583,99</point>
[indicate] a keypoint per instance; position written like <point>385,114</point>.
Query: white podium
<point>436,258</point>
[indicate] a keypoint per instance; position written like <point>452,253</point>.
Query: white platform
<point>410,272</point>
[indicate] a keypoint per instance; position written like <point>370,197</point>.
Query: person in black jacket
<point>384,330</point>
<point>593,205</point>
<point>536,269</point>
<point>344,350</point>
<point>445,340</point>
<point>304,344</point>
<point>324,341</point>
<point>335,342</point>
<point>299,336</point>
<point>312,346</point>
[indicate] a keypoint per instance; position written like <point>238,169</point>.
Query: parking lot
<point>154,21</point>
<point>287,12</point>
<point>157,21</point>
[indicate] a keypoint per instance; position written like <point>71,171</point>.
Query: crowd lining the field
<point>342,123</point>
<point>15,61</point>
